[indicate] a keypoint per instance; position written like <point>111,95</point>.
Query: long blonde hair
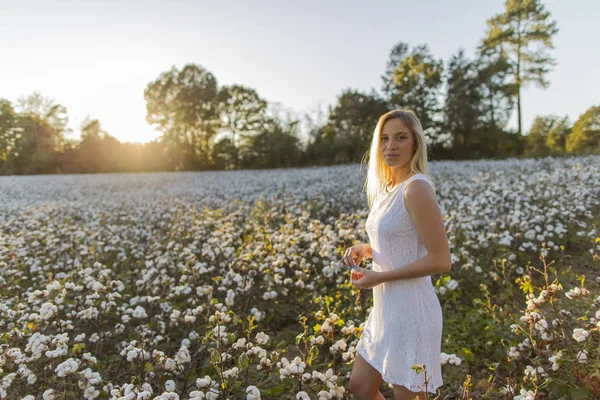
<point>379,174</point>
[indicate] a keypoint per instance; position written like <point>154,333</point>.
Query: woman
<point>408,243</point>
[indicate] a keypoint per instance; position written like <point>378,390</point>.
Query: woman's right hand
<point>355,254</point>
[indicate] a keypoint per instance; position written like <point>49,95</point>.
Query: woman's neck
<point>400,175</point>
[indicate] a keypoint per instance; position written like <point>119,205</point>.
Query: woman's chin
<point>395,163</point>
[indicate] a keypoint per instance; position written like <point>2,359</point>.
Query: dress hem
<point>429,388</point>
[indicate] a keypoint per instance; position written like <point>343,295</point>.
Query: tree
<point>585,136</point>
<point>352,122</point>
<point>277,145</point>
<point>243,114</point>
<point>463,104</point>
<point>9,135</point>
<point>398,53</point>
<point>535,143</point>
<point>556,139</point>
<point>185,107</point>
<point>225,154</point>
<point>98,151</point>
<point>36,150</point>
<point>496,89</point>
<point>524,32</point>
<point>47,110</point>
<point>416,84</point>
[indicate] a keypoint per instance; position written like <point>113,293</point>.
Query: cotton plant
<point>555,332</point>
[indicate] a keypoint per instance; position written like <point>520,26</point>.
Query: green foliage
<point>523,32</point>
<point>348,132</point>
<point>547,136</point>
<point>585,137</point>
<point>416,83</point>
<point>184,105</point>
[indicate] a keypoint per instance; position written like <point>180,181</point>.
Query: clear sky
<point>96,57</point>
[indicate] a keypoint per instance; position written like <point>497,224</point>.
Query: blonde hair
<point>379,174</point>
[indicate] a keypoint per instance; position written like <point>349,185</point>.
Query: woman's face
<point>397,143</point>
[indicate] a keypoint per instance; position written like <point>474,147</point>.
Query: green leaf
<point>580,394</point>
<point>314,352</point>
<point>243,361</point>
<point>148,367</point>
<point>466,353</point>
<point>274,391</point>
<point>417,368</point>
<point>77,348</point>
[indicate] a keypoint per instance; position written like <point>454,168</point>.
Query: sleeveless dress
<point>404,326</point>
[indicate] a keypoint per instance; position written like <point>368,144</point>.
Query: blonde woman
<point>408,244</point>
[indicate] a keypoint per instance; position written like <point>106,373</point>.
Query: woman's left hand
<point>369,279</point>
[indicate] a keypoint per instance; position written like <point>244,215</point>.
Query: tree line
<point>464,104</point>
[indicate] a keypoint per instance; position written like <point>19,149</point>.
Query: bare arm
<point>368,250</point>
<point>421,204</point>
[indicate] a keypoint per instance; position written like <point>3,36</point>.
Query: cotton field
<point>231,285</point>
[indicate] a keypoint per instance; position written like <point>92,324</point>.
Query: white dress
<point>404,327</point>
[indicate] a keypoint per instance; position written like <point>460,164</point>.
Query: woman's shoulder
<point>420,176</point>
<point>415,189</point>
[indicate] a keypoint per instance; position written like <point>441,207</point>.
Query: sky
<point>97,57</point>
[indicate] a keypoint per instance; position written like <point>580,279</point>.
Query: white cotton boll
<point>212,396</point>
<point>140,312</point>
<point>66,367</point>
<point>302,396</point>
<point>170,364</point>
<point>442,290</point>
<point>580,334</point>
<point>132,354</point>
<point>581,357</point>
<point>47,310</point>
<point>170,385</point>
<point>323,395</point>
<point>452,284</point>
<point>444,358</point>
<point>175,314</point>
<point>269,295</point>
<point>230,299</point>
<point>48,395</point>
<point>525,395</point>
<point>262,338</point>
<point>203,382</point>
<point>144,395</point>
<point>317,340</point>
<point>197,395</point>
<point>183,355</point>
<point>252,393</point>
